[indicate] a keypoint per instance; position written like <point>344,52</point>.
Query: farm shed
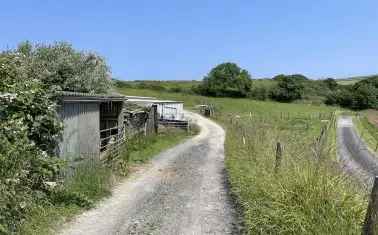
<point>166,109</point>
<point>90,122</point>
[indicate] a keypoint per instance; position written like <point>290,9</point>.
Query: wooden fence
<point>175,123</point>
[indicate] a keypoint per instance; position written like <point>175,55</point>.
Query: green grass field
<point>308,194</point>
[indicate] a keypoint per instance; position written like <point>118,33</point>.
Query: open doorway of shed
<point>111,125</point>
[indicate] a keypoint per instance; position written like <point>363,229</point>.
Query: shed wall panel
<point>81,129</point>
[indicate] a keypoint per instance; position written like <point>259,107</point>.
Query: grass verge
<point>143,148</point>
<point>92,182</point>
<point>367,131</point>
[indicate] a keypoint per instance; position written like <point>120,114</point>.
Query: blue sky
<point>183,40</point>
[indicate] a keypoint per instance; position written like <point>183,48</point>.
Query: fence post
<point>371,219</point>
<point>155,119</point>
<point>278,157</point>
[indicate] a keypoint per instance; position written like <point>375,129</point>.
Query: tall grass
<point>88,183</point>
<point>308,195</point>
<point>367,130</point>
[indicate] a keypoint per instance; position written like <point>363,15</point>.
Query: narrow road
<point>182,191</point>
<point>353,152</point>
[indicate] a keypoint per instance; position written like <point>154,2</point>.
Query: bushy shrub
<point>61,65</point>
<point>330,83</point>
<point>288,88</point>
<point>29,125</point>
<point>361,95</point>
<point>24,171</point>
<point>226,79</point>
<point>259,93</point>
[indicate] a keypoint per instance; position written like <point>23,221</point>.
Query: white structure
<point>167,109</point>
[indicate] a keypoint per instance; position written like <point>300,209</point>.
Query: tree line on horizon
<point>229,80</point>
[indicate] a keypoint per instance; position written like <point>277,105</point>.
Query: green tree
<point>365,93</point>
<point>361,95</point>
<point>227,79</point>
<point>61,66</point>
<point>288,88</point>
<point>330,83</point>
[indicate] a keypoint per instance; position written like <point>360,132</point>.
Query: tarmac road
<point>353,152</point>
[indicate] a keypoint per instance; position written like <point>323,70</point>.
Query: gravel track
<point>353,153</point>
<point>182,191</point>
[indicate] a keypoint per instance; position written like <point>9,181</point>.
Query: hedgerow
<point>30,129</point>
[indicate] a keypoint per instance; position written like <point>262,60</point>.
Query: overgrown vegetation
<point>30,76</point>
<point>89,182</point>
<point>307,195</point>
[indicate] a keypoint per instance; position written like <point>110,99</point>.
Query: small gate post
<point>371,220</point>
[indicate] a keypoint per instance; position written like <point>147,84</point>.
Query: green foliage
<point>23,173</point>
<point>60,65</point>
<point>288,88</point>
<point>226,79</point>
<point>28,133</point>
<point>361,95</point>
<point>28,103</point>
<point>89,182</point>
<point>330,83</point>
<point>29,125</point>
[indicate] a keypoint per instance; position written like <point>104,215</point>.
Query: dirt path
<point>353,152</point>
<point>183,191</point>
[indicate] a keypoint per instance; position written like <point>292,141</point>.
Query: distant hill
<point>352,80</point>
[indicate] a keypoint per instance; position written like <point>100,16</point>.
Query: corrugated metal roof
<point>140,97</point>
<point>69,96</point>
<point>153,101</point>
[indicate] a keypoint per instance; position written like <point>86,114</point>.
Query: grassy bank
<point>93,181</point>
<point>367,129</point>
<point>308,194</point>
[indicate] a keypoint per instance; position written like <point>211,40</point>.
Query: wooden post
<point>371,219</point>
<point>278,157</point>
<point>155,120</point>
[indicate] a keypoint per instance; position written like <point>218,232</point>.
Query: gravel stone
<point>182,191</point>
